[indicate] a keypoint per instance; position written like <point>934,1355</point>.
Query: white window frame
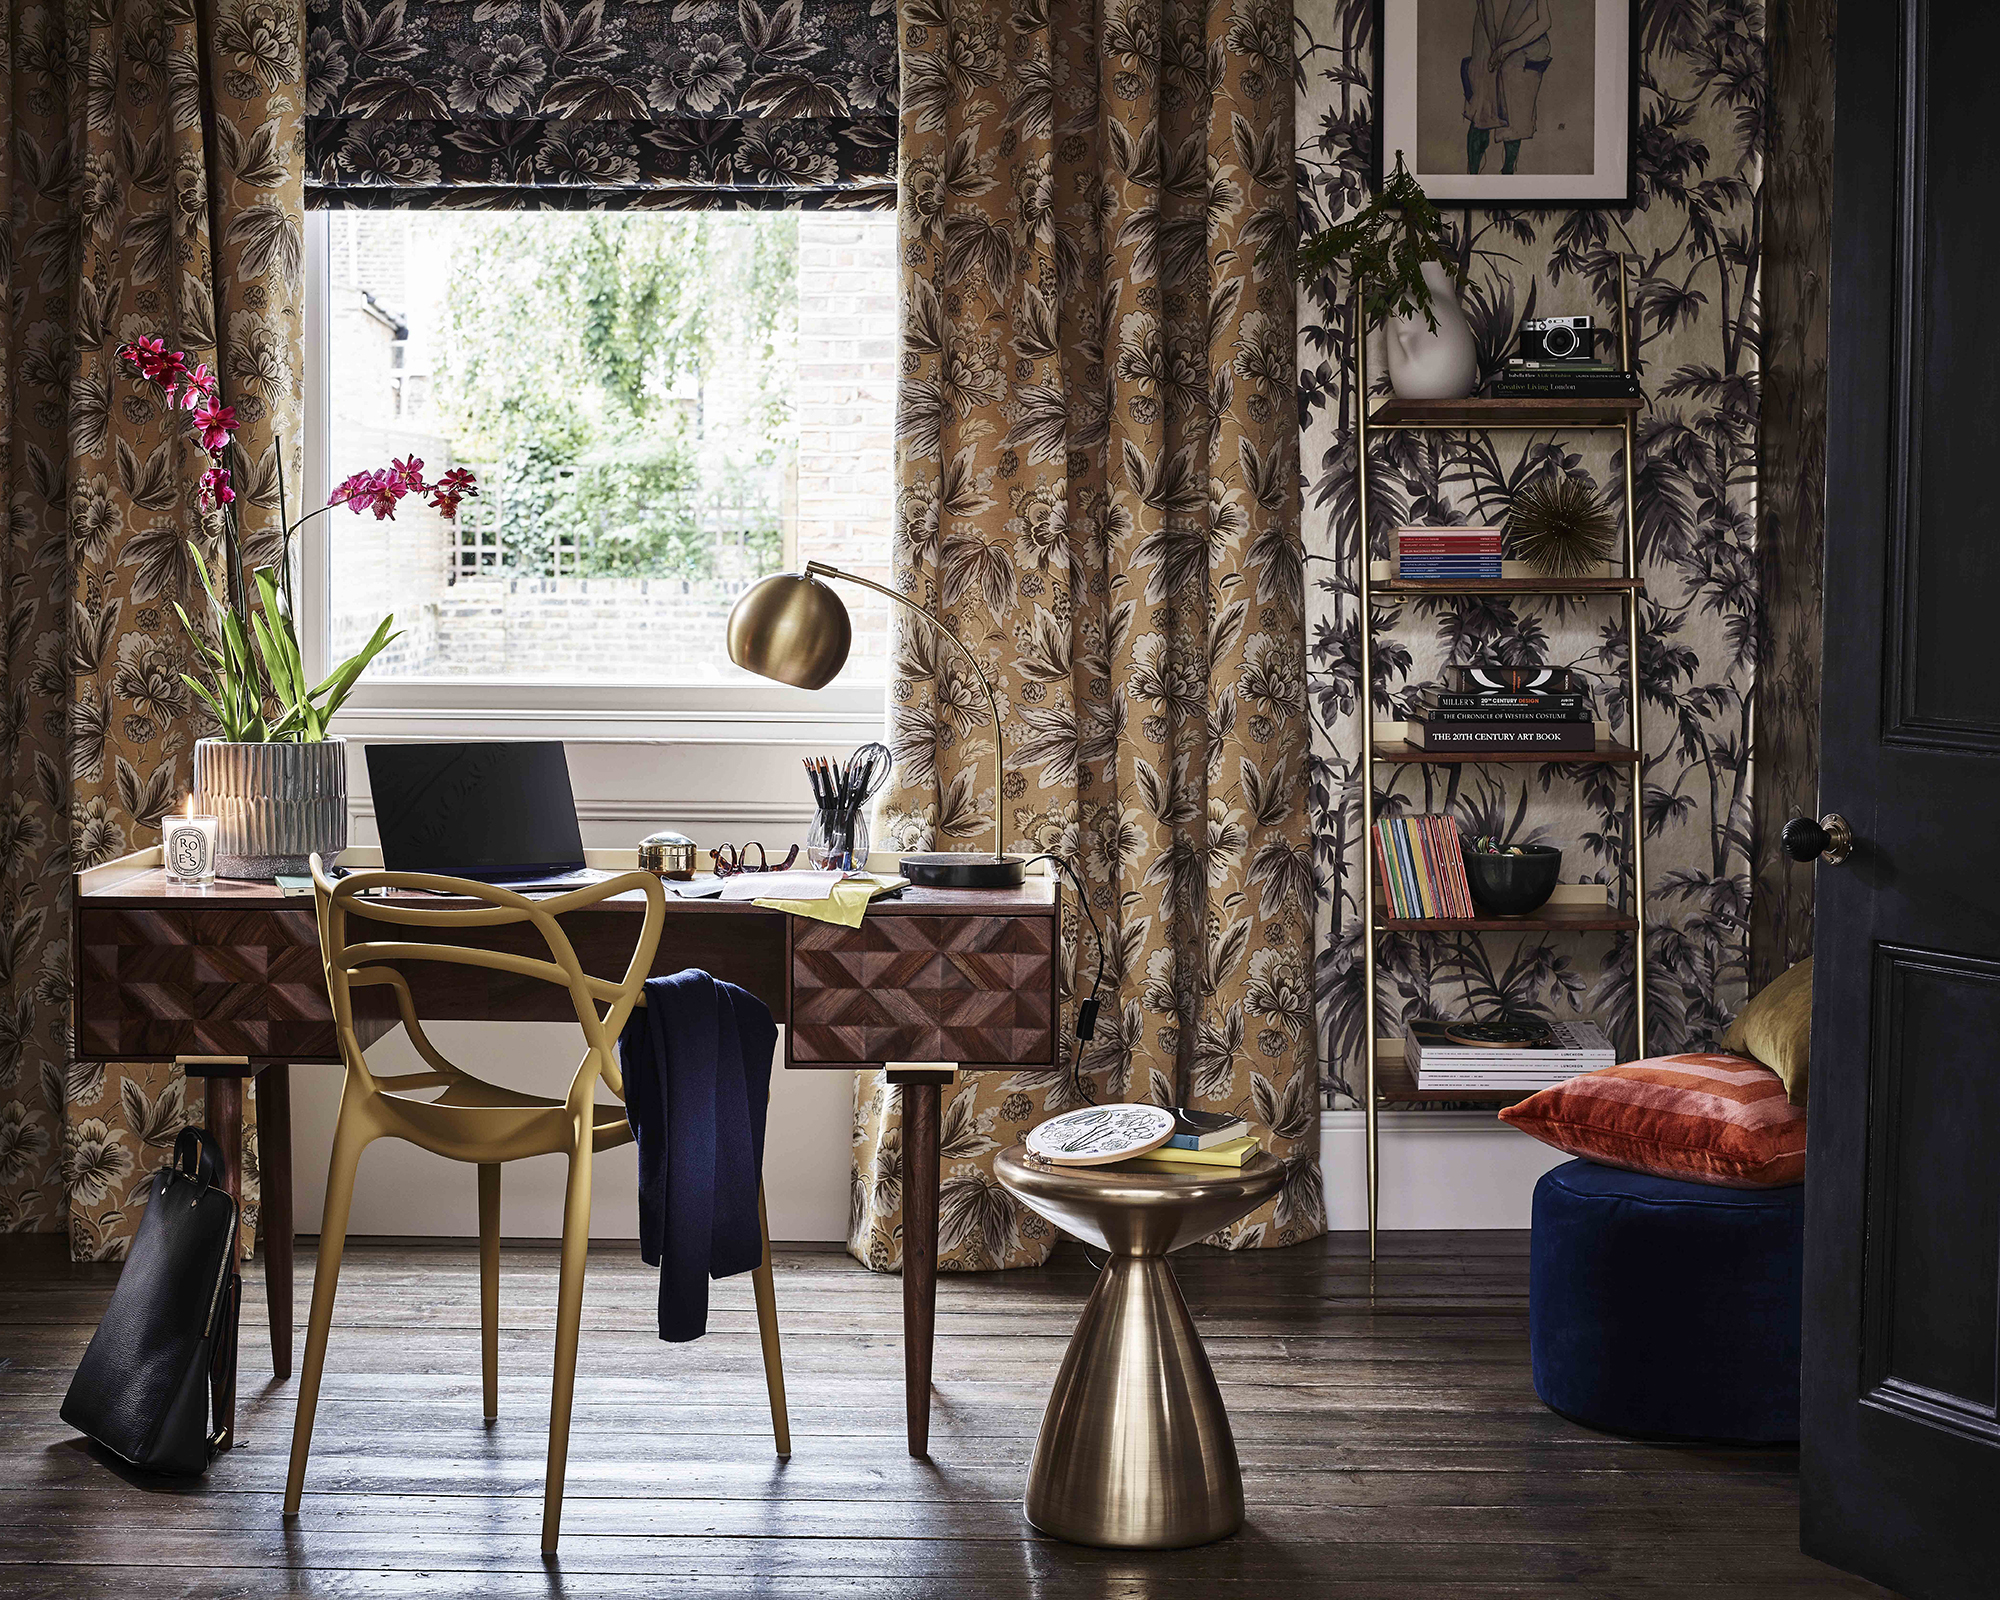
<point>444,708</point>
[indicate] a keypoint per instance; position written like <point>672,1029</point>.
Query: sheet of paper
<point>780,885</point>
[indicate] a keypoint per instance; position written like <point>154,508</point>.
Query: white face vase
<point>1433,366</point>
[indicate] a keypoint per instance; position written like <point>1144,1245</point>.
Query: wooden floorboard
<point>1391,1442</point>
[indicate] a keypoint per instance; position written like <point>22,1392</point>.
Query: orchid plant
<point>258,689</point>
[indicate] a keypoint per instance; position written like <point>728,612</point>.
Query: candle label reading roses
<point>190,852</point>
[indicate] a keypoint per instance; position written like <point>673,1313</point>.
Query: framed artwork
<point>1523,105</point>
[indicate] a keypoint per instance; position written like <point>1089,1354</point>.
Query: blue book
<point>1198,1130</point>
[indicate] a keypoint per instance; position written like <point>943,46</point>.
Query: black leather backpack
<point>142,1389</point>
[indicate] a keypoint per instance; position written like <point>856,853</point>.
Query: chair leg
<point>349,1140</point>
<point>767,1335</point>
<point>569,1318</point>
<point>489,1285</point>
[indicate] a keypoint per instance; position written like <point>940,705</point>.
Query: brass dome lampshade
<point>792,628</point>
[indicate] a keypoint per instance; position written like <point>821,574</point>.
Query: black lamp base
<point>955,869</point>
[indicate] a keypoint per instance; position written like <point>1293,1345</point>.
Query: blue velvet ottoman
<point>1666,1310</point>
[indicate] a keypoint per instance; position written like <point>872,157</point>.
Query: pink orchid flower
<point>197,389</point>
<point>216,424</point>
<point>453,487</point>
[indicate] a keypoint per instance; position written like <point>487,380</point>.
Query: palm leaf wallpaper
<point>1697,253</point>
<point>1791,511</point>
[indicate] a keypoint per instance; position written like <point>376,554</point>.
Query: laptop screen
<point>485,811</point>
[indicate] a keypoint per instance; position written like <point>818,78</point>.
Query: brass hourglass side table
<point>1135,1450</point>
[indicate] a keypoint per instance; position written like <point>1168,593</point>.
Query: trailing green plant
<point>1384,246</point>
<point>258,690</point>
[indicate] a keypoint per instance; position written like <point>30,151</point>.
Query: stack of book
<point>1562,380</point>
<point>1505,708</point>
<point>1526,1057</point>
<point>1423,873</point>
<point>1200,1139</point>
<point>1444,553</point>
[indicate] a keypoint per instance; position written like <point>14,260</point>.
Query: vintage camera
<point>1558,339</point>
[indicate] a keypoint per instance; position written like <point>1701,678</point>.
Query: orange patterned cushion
<point>1703,1118</point>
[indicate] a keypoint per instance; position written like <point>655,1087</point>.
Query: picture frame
<point>1567,84</point>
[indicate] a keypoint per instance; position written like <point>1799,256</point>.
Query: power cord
<point>1086,1009</point>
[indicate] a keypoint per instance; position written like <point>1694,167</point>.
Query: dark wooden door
<point>1901,1389</point>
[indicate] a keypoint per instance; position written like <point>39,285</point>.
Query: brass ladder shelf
<point>1395,1080</point>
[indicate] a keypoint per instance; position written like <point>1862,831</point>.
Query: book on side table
<point>1231,1154</point>
<point>1199,1130</point>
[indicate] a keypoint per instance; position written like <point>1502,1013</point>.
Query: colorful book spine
<point>1455,894</point>
<point>1390,868</point>
<point>1400,837</point>
<point>1422,868</point>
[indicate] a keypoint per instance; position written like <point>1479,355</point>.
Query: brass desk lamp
<point>792,628</point>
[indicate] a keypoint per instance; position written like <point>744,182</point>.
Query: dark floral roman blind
<point>674,103</point>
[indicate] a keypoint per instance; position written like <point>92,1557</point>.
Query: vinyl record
<point>1502,1033</point>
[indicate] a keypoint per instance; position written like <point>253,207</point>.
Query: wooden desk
<point>227,980</point>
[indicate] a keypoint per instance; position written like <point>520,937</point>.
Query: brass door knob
<point>1829,839</point>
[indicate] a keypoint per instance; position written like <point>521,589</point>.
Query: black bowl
<point>1510,885</point>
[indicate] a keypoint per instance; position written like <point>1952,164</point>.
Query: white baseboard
<point>406,1192</point>
<point>1441,1170</point>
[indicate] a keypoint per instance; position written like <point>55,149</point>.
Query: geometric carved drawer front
<point>220,982</point>
<point>976,990</point>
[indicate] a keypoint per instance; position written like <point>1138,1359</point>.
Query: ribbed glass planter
<point>275,804</point>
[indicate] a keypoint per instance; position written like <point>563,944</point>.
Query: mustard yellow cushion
<point>1776,1029</point>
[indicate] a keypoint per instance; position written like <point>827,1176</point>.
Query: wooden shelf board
<point>1396,750</point>
<point>1552,918</point>
<point>1395,1081</point>
<point>1483,411</point>
<point>1451,586</point>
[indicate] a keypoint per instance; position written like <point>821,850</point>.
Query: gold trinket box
<point>667,855</point>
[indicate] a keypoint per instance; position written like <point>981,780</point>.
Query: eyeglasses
<point>731,859</point>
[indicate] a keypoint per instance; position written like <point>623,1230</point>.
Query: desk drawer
<point>221,981</point>
<point>980,991</point>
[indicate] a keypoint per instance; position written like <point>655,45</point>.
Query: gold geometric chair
<point>483,1123</point>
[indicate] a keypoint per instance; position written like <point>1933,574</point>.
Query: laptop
<point>495,813</point>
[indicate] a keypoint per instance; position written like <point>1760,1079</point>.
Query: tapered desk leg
<point>920,1232</point>
<point>224,1099</point>
<point>274,1148</point>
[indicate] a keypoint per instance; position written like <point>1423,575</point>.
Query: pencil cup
<point>839,839</point>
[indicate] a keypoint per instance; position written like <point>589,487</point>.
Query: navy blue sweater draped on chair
<point>697,1065</point>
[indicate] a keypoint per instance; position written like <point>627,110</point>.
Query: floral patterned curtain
<point>149,166</point>
<point>1098,492</point>
<point>605,104</point>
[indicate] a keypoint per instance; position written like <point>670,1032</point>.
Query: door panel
<point>1932,1285</point>
<point>1949,319</point>
<point>1900,1453</point>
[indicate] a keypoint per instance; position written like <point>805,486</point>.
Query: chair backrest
<point>601,1004</point>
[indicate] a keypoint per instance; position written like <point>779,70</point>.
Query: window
<point>661,408</point>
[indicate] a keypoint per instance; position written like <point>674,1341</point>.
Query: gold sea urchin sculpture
<point>1559,526</point>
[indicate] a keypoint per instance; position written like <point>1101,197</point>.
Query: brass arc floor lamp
<point>792,628</point>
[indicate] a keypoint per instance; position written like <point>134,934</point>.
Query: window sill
<point>614,713</point>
